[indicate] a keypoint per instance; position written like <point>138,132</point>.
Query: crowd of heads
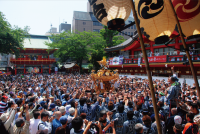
<point>69,104</point>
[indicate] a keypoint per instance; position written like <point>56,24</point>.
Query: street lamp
<point>111,13</point>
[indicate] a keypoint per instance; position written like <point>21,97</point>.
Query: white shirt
<point>45,125</point>
<point>70,118</point>
<point>34,126</point>
<point>29,89</point>
<point>67,107</point>
<point>56,69</point>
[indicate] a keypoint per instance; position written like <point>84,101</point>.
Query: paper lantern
<point>156,18</point>
<point>111,13</point>
<point>188,13</point>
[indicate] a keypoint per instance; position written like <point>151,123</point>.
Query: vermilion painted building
<point>34,55</point>
<point>161,57</point>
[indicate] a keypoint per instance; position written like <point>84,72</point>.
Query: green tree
<point>11,38</point>
<point>85,45</point>
<point>99,44</point>
<point>110,36</point>
<point>78,46</point>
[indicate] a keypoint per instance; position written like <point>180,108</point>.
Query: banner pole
<point>147,69</point>
<point>186,50</point>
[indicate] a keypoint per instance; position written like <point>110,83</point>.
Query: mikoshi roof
<point>124,44</point>
<point>36,42</point>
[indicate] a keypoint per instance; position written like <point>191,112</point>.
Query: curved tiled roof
<point>124,44</point>
<point>36,42</point>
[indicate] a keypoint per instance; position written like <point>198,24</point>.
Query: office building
<point>86,21</point>
<point>64,27</point>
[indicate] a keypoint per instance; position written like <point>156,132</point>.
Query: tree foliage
<point>85,45</point>
<point>110,36</point>
<point>77,46</point>
<point>11,38</point>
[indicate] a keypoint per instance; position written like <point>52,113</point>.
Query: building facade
<point>5,62</point>
<point>34,58</point>
<point>86,21</point>
<point>128,58</point>
<point>64,27</point>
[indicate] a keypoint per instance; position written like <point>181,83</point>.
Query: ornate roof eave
<point>124,44</point>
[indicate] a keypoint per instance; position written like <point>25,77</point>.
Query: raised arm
<point>27,113</point>
<point>87,128</point>
<point>33,109</point>
<point>99,126</point>
<point>76,111</point>
<point>113,128</point>
<point>83,92</point>
<point>107,127</point>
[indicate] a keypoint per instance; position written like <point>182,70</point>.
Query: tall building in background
<point>86,21</point>
<point>89,8</point>
<point>53,30</point>
<point>64,27</point>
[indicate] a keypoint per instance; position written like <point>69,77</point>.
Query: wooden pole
<point>186,50</point>
<point>147,69</point>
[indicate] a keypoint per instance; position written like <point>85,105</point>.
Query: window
<point>3,62</point>
<point>84,23</point>
<point>128,27</point>
<point>136,54</point>
<point>132,33</point>
<point>128,33</point>
<point>119,33</point>
<point>96,30</point>
<point>160,50</point>
<point>97,24</point>
<point>131,27</point>
<point>83,29</point>
<point>125,33</point>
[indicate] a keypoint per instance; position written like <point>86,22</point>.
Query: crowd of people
<point>69,104</point>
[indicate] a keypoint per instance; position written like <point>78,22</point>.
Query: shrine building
<point>127,57</point>
<point>34,57</point>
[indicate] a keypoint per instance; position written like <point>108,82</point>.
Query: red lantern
<point>188,13</point>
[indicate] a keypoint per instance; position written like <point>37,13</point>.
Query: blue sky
<point>40,14</point>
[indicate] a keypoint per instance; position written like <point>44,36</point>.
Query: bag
<point>194,128</point>
<point>39,125</point>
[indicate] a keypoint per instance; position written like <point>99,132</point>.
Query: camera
<point>114,120</point>
<point>94,123</point>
